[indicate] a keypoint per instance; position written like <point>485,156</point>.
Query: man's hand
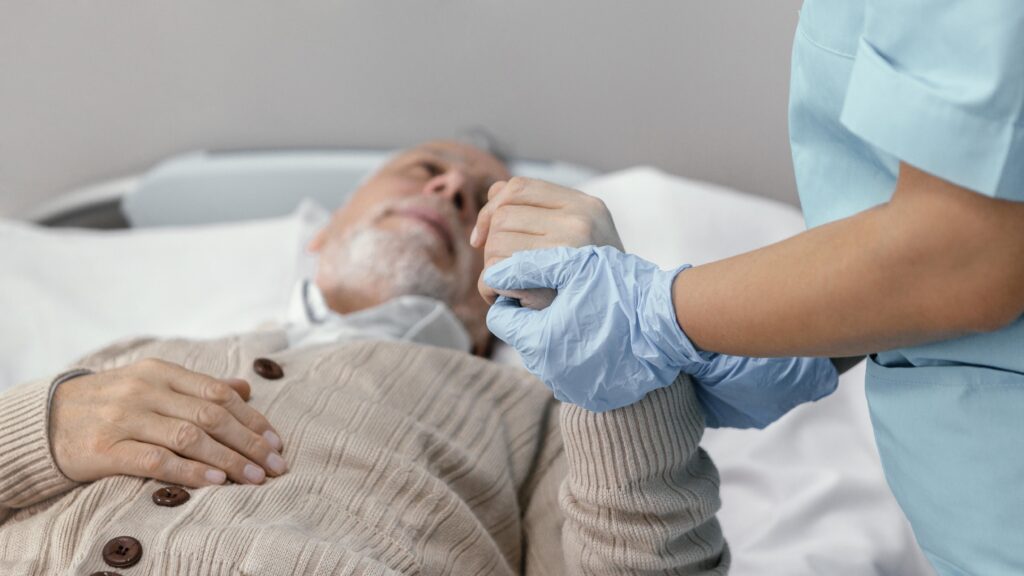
<point>526,214</point>
<point>155,419</point>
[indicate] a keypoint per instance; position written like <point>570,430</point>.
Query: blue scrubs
<point>938,84</point>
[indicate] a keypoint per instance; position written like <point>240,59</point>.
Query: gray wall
<point>93,90</point>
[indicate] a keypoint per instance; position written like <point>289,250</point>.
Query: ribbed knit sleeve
<point>28,473</point>
<point>641,496</point>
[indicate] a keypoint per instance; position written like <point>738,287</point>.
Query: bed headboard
<point>94,91</point>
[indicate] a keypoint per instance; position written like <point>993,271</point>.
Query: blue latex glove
<point>741,392</point>
<point>611,336</point>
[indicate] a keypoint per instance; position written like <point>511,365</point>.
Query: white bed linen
<point>64,293</point>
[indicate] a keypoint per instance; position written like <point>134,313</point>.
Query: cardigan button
<point>170,496</point>
<point>268,368</point>
<point>122,552</point>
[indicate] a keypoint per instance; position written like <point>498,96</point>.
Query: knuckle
<point>581,227</point>
<point>187,436</point>
<point>231,460</point>
<point>218,392</point>
<point>496,188</point>
<point>94,444</point>
<point>256,422</point>
<point>184,469</point>
<point>113,413</point>
<point>254,445</point>
<point>151,460</point>
<point>210,416</point>
<point>151,364</point>
<point>517,183</point>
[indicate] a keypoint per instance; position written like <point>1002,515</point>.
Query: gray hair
<point>482,138</point>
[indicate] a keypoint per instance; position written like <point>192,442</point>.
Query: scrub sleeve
<point>938,84</point>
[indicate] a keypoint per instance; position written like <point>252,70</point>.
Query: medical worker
<point>907,133</point>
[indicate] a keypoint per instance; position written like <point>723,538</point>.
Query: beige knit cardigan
<point>404,459</point>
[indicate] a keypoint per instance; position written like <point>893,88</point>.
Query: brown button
<point>171,496</point>
<point>268,368</point>
<point>104,574</point>
<point>122,552</point>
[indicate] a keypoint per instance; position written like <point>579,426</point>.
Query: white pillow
<point>64,293</point>
<point>806,496</point>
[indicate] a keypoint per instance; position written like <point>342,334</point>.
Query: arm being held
<point>641,496</point>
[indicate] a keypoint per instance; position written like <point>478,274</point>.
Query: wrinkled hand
<point>155,419</point>
<point>527,214</point>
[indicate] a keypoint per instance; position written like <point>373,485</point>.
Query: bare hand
<point>155,419</point>
<point>527,214</point>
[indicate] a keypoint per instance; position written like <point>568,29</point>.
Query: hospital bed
<point>101,104</point>
<point>206,243</point>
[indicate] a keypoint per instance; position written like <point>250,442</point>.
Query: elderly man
<point>366,440</point>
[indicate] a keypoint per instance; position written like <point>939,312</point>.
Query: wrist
<point>659,324</point>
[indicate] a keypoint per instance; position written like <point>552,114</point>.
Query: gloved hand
<point>611,336</point>
<point>742,392</point>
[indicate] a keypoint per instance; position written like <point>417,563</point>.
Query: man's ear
<point>317,242</point>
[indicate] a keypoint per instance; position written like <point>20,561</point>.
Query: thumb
<point>511,323</point>
<point>546,268</point>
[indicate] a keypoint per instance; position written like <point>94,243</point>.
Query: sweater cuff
<point>28,472</point>
<point>635,443</point>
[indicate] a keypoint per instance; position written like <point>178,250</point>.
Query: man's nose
<point>452,185</point>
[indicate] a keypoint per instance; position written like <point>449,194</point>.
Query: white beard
<point>385,264</point>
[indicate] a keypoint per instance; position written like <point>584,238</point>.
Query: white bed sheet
<point>64,293</point>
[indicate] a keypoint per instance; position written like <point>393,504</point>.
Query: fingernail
<point>276,463</point>
<point>273,439</point>
<point>472,237</point>
<point>254,474</point>
<point>215,476</point>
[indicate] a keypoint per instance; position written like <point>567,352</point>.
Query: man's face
<point>406,231</point>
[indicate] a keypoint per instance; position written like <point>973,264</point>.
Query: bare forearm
<point>935,262</point>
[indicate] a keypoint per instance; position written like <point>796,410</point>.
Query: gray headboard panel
<point>94,90</point>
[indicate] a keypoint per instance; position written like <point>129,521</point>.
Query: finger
<point>225,395</point>
<point>502,245</point>
<point>483,218</point>
<point>486,292</point>
<point>216,421</point>
<point>532,192</point>
<point>482,228</point>
<point>524,219</point>
<point>240,386</point>
<point>548,268</point>
<point>186,439</point>
<point>152,461</point>
<point>508,321</point>
<point>496,189</point>
<point>521,192</point>
<point>536,299</point>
